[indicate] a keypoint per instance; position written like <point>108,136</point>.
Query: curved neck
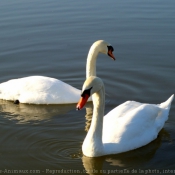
<point>98,113</point>
<point>91,61</point>
<point>93,145</point>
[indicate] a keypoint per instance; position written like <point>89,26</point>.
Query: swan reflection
<point>25,113</point>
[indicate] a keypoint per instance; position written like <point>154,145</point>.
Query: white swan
<point>46,90</point>
<point>127,127</point>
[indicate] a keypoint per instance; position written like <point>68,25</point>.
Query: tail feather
<point>163,116</point>
<point>167,104</point>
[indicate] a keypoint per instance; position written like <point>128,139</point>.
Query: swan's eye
<point>87,91</point>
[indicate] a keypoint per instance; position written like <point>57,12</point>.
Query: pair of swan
<point>46,90</point>
<point>126,127</point>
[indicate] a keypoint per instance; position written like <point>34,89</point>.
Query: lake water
<point>52,38</point>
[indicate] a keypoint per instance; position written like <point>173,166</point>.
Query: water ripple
<point>54,151</point>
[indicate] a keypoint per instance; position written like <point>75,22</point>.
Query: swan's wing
<point>133,129</point>
<point>129,121</point>
<point>123,109</point>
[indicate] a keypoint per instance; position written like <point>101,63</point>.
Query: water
<point>52,38</point>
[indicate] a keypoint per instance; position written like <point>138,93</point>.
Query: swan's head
<point>104,47</point>
<point>91,85</point>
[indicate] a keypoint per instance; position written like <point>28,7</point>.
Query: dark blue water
<point>52,38</point>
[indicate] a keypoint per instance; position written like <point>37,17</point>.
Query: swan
<point>47,90</point>
<point>126,127</point>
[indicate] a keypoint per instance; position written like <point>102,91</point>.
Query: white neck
<point>91,61</point>
<point>92,145</point>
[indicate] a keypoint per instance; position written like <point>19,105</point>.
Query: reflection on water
<point>93,165</point>
<point>48,144</point>
<point>25,113</point>
<point>89,113</point>
<point>52,38</point>
<point>88,116</point>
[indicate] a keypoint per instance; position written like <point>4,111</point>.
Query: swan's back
<point>39,90</point>
<point>133,124</point>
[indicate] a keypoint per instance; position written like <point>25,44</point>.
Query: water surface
<point>52,38</point>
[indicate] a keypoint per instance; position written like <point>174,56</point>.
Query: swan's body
<point>46,90</point>
<point>127,127</point>
<point>38,90</point>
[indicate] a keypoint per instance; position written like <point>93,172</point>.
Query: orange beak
<point>111,54</point>
<point>82,102</point>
